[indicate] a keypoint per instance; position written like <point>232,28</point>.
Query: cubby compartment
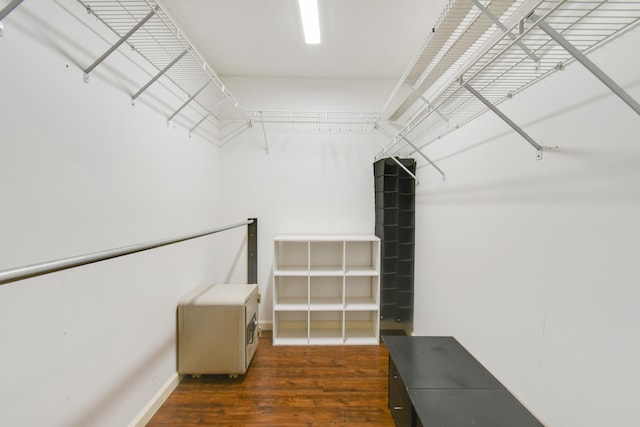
<point>387,234</point>
<point>326,256</point>
<point>325,292</point>
<point>361,327</point>
<point>291,292</point>
<point>405,251</point>
<point>291,327</point>
<point>405,218</point>
<point>361,293</point>
<point>406,234</point>
<point>361,257</point>
<point>390,215</point>
<point>291,256</point>
<point>326,327</point>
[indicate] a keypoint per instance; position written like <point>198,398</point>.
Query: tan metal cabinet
<point>218,330</point>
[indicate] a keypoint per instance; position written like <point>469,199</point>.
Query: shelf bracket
<point>405,169</point>
<point>504,117</point>
<point>191,98</point>
<point>264,133</point>
<point>431,107</point>
<point>505,30</point>
<point>593,68</point>
<point>157,76</point>
<point>117,44</point>
<point>417,150</point>
<point>198,124</point>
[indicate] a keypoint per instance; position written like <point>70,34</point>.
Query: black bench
<point>435,381</point>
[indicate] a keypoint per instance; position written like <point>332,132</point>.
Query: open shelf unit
<point>483,52</point>
<point>326,290</point>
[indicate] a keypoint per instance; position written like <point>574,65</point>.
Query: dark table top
<point>437,362</point>
<point>470,407</point>
<point>449,387</point>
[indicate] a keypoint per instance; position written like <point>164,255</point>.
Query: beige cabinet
<point>218,329</point>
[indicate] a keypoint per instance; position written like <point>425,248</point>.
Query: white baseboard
<point>156,401</point>
<point>266,325</point>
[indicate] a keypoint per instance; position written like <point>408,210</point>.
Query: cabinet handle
<point>395,377</point>
<point>398,408</point>
<point>251,329</point>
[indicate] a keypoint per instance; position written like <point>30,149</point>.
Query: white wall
<point>83,171</point>
<point>314,179</point>
<point>533,265</point>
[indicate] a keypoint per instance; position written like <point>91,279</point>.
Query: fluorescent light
<point>310,20</point>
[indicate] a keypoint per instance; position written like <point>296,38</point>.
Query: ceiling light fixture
<point>310,20</point>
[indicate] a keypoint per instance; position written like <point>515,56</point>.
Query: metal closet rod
<point>9,8</point>
<point>28,271</point>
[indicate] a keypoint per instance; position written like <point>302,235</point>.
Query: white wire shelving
<point>316,121</point>
<point>147,29</point>
<point>365,120</point>
<point>479,54</point>
<point>482,52</point>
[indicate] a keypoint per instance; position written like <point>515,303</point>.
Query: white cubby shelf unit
<point>326,290</point>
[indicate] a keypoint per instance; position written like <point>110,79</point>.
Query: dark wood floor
<point>288,386</point>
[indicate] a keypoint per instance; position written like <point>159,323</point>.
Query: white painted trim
<point>266,325</point>
<point>145,415</point>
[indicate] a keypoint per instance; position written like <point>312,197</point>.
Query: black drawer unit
<point>399,401</point>
<point>435,381</point>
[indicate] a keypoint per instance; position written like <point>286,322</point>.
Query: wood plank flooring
<point>288,386</point>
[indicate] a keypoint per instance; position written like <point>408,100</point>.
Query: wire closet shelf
<point>148,30</point>
<point>359,120</point>
<point>483,52</point>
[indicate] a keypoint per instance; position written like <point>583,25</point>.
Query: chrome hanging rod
<point>9,8</point>
<point>28,271</point>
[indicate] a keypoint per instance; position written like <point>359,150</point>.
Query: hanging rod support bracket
<point>197,124</point>
<point>411,174</point>
<point>160,74</point>
<point>264,133</point>
<point>191,98</point>
<point>504,117</point>
<point>117,44</point>
<point>505,30</point>
<point>421,96</point>
<point>593,68</point>
<point>419,151</point>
